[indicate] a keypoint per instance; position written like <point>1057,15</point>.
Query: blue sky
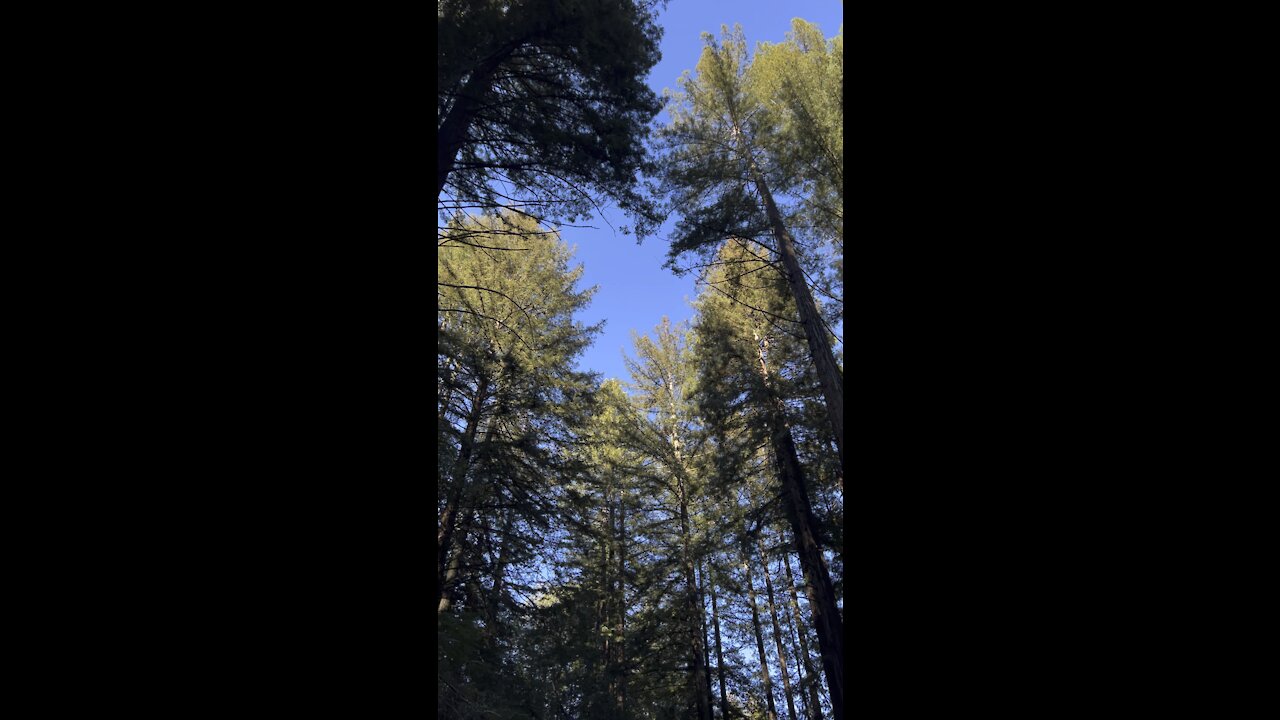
<point>635,291</point>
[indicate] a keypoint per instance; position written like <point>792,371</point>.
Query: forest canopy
<point>667,544</point>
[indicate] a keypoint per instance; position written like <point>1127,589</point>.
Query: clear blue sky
<point>635,291</point>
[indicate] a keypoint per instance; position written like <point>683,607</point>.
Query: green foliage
<point>509,340</point>
<point>798,86</point>
<point>557,107</point>
<point>468,669</point>
<point>704,160</point>
<point>592,522</point>
<point>776,115</point>
<point>507,311</point>
<point>738,322</point>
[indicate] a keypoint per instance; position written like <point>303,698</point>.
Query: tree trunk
<point>606,594</point>
<point>700,679</point>
<point>621,626</point>
<point>755,624</point>
<point>777,633</point>
<point>490,601</point>
<point>445,395</point>
<point>706,646</point>
<point>806,663</point>
<point>448,518</point>
<point>814,329</point>
<point>795,494</point>
<point>826,616</point>
<point>452,133</point>
<point>501,565</point>
<point>715,620</point>
<point>795,653</point>
<point>603,610</point>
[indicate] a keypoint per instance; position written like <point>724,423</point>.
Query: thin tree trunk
<point>620,628</point>
<point>755,624</point>
<point>777,633</point>
<point>701,678</point>
<point>795,494</point>
<point>815,331</point>
<point>700,681</point>
<point>826,616</point>
<point>491,601</point>
<point>795,653</point>
<point>448,518</point>
<point>445,396</point>
<point>706,646</point>
<point>461,547</point>
<point>715,621</point>
<point>504,556</point>
<point>602,603</point>
<point>606,596</point>
<point>446,584</point>
<point>807,664</point>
